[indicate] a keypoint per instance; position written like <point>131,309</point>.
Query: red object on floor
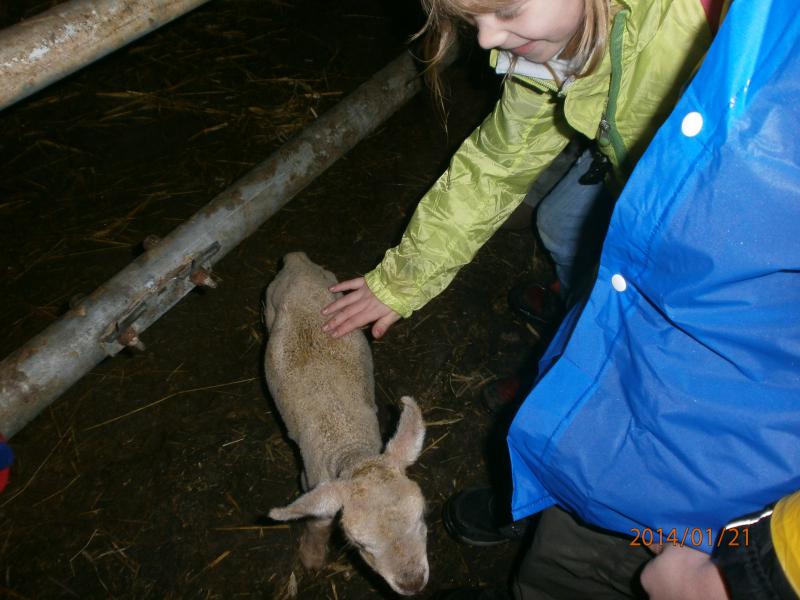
<point>6,456</point>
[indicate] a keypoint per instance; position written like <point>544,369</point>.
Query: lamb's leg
<point>314,543</point>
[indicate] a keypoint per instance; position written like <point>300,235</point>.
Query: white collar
<point>561,67</point>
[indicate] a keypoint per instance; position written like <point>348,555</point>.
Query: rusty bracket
<point>158,298</point>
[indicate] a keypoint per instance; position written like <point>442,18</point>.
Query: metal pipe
<point>114,316</point>
<point>41,50</point>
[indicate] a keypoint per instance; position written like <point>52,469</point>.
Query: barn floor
<point>152,476</point>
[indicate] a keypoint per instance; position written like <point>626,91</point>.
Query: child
<point>607,70</point>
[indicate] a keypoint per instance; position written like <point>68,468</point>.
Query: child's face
<point>534,29</point>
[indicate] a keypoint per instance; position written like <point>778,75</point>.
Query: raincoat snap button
<point>618,283</point>
<point>692,124</point>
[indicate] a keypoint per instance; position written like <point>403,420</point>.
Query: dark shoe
<point>541,306</point>
<point>474,517</point>
<point>498,593</point>
<point>502,393</point>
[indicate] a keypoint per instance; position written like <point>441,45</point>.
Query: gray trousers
<point>568,560</point>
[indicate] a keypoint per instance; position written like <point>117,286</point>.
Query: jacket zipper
<point>609,134</point>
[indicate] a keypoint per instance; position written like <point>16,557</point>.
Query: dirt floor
<point>152,476</point>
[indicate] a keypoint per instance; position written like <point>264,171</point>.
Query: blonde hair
<point>445,17</point>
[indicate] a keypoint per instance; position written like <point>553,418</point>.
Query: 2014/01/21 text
<point>694,536</point>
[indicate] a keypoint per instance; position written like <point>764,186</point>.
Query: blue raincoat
<point>671,398</point>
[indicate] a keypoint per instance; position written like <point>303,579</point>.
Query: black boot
<point>477,518</point>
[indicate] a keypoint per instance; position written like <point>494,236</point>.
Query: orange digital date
<point>694,537</point>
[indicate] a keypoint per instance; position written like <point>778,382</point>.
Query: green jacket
<point>654,47</point>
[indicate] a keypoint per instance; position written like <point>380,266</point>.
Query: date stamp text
<point>694,537</point>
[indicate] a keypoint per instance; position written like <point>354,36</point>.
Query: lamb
<point>324,390</point>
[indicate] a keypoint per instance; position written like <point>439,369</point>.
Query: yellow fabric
<point>785,530</point>
<point>495,167</point>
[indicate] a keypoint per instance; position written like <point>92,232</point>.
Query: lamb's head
<point>382,511</point>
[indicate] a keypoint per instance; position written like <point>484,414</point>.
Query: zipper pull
<point>602,133</point>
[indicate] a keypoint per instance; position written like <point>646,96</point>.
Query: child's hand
<point>356,309</point>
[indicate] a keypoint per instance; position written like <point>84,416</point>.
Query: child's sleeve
<point>760,557</point>
<point>487,179</point>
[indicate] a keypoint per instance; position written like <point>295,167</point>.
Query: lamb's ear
<point>406,445</point>
<point>324,501</point>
